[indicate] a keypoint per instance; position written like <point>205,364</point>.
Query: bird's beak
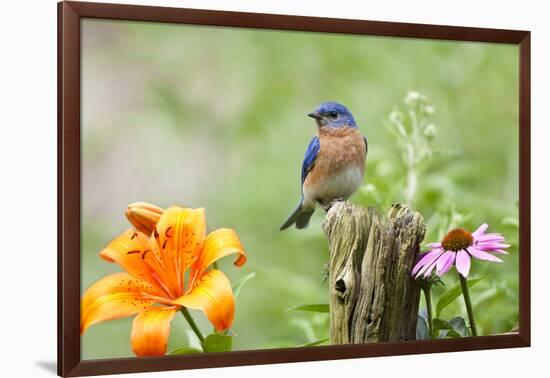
<point>315,115</point>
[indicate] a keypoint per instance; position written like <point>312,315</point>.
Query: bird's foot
<point>332,203</point>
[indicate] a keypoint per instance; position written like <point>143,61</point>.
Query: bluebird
<point>334,163</point>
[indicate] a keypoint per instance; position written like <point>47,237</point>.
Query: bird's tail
<point>300,216</point>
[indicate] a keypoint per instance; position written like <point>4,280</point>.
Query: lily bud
<point>143,216</point>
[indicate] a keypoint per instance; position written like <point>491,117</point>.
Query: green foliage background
<point>216,117</point>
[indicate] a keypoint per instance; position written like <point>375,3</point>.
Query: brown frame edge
<point>68,176</point>
<point>69,15</point>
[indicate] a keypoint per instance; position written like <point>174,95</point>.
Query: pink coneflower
<point>456,248</point>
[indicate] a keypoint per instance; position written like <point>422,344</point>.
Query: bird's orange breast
<point>341,159</point>
<point>340,148</point>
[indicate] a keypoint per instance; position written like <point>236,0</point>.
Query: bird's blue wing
<point>309,157</point>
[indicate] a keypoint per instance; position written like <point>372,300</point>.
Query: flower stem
<point>428,296</point>
<point>468,301</point>
<point>411,175</point>
<point>192,324</point>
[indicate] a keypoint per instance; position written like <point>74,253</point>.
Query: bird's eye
<point>333,114</point>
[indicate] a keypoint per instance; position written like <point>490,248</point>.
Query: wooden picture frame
<point>70,15</point>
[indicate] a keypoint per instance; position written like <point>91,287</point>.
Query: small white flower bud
<point>430,131</point>
<point>457,218</point>
<point>370,188</point>
<point>411,97</point>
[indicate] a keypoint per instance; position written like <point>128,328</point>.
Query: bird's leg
<point>325,272</point>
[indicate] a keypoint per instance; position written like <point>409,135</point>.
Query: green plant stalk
<point>428,296</point>
<point>468,302</point>
<point>215,266</point>
<point>192,324</point>
<point>410,189</point>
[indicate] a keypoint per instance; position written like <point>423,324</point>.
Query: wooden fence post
<point>372,295</point>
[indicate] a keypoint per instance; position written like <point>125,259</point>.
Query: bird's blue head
<point>333,114</point>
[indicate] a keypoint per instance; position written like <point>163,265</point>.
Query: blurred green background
<point>216,118</point>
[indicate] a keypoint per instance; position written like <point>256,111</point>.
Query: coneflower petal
<point>445,262</point>
<point>490,238</point>
<point>434,245</point>
<point>482,255</point>
<point>489,246</point>
<point>480,230</point>
<point>463,263</point>
<point>425,261</point>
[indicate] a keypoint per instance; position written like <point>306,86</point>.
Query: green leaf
<point>459,325</point>
<point>313,343</point>
<point>448,334</point>
<point>456,327</point>
<point>310,307</point>
<point>216,342</point>
<point>439,324</point>
<point>450,295</point>
<point>238,285</point>
<point>185,350</point>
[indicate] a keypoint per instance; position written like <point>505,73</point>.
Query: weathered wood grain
<point>372,295</point>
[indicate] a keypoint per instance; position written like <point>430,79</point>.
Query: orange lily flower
<point>165,271</point>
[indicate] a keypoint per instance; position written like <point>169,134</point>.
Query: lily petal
<point>218,244</point>
<point>130,250</point>
<point>463,263</point>
<point>177,241</point>
<point>115,296</point>
<point>150,330</point>
<point>213,295</point>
